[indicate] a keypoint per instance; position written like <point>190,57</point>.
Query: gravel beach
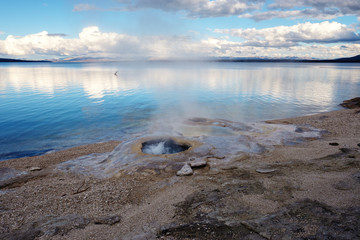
<point>309,190</point>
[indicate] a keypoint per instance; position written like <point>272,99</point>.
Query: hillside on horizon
<point>353,59</point>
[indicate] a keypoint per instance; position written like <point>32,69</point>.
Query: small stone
<point>198,163</point>
<point>185,171</point>
<point>345,150</point>
<point>265,170</point>
<point>33,169</point>
<point>108,220</point>
<point>343,185</point>
<point>357,176</point>
<point>299,130</point>
<point>333,144</point>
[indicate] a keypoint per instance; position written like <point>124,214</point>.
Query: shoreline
<point>107,146</point>
<point>298,186</point>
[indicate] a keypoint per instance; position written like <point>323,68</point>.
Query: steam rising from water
<point>156,148</point>
<point>163,146</point>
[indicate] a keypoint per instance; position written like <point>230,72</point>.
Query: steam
<point>167,146</point>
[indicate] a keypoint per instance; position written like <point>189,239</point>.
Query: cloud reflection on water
<point>205,85</point>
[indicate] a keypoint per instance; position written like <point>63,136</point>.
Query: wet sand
<point>306,191</point>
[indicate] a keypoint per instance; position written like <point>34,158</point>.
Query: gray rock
<point>299,130</point>
<point>108,220</point>
<point>292,220</point>
<point>198,163</point>
<point>33,169</point>
<point>343,185</point>
<point>48,226</point>
<point>63,224</point>
<point>266,170</point>
<point>185,171</point>
<point>356,176</point>
<point>352,103</point>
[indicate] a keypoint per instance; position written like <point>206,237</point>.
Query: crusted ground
<point>305,191</point>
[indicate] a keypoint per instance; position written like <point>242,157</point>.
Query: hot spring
<point>163,146</point>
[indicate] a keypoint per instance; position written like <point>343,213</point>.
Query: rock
<point>198,163</point>
<point>63,224</point>
<point>356,176</point>
<point>343,185</point>
<point>299,130</point>
<point>333,144</point>
<point>108,220</point>
<point>326,222</point>
<point>185,171</point>
<point>266,170</point>
<point>33,169</point>
<point>210,229</point>
<point>352,103</point>
<point>345,150</point>
<point>323,117</point>
<point>48,226</point>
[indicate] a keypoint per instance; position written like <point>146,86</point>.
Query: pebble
<point>333,144</point>
<point>357,176</point>
<point>185,171</point>
<point>32,169</point>
<point>197,163</point>
<point>343,185</point>
<point>265,170</point>
<point>109,220</point>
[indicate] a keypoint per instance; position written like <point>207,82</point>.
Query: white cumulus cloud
<point>226,48</point>
<point>94,43</point>
<point>269,42</point>
<point>284,36</point>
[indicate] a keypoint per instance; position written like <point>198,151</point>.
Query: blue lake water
<point>51,106</point>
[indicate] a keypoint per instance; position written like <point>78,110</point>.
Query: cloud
<point>57,34</point>
<point>196,8</point>
<point>344,6</point>
<point>225,48</point>
<point>268,42</point>
<point>307,13</point>
<point>286,36</point>
<point>311,9</point>
<point>85,7</point>
<point>94,43</point>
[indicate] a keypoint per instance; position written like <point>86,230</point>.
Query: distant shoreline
<point>355,59</point>
<point>20,60</point>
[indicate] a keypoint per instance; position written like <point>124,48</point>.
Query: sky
<point>179,29</point>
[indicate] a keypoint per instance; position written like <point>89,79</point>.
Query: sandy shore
<point>306,191</point>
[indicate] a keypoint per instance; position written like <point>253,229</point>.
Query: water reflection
<point>305,83</point>
<point>59,105</point>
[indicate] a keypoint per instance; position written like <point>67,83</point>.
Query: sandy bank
<point>306,191</point>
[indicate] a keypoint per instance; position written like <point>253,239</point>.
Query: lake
<point>52,106</point>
